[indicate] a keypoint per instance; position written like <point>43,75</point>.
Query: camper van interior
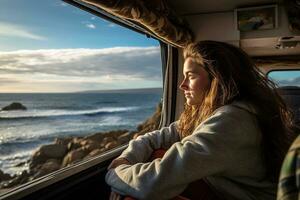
<point>267,30</point>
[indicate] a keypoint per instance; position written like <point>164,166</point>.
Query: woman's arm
<point>212,149</point>
<point>141,148</point>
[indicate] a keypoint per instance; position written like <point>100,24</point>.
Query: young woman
<point>233,133</point>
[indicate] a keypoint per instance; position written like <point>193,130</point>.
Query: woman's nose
<point>183,85</point>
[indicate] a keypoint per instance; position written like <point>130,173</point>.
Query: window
<point>72,86</point>
<point>285,78</point>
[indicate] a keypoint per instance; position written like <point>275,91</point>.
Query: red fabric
<point>129,198</point>
<point>199,190</point>
<point>196,190</point>
<point>176,198</point>
<point>159,153</point>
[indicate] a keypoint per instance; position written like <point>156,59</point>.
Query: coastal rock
<point>63,141</point>
<point>73,156</point>
<point>19,179</point>
<point>111,145</point>
<point>14,106</point>
<point>106,140</point>
<point>53,150</point>
<point>46,152</point>
<point>125,137</point>
<point>151,123</point>
<point>95,137</point>
<point>88,142</point>
<point>4,176</point>
<point>49,166</point>
<point>90,146</point>
<point>115,134</point>
<point>74,143</point>
<point>95,152</point>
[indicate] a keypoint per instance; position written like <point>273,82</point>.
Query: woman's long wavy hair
<point>234,76</point>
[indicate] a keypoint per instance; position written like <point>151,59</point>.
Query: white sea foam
<point>8,162</point>
<point>54,113</point>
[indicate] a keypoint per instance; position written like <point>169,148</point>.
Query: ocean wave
<point>17,155</point>
<point>11,147</point>
<point>60,113</point>
<point>8,162</point>
<point>41,132</point>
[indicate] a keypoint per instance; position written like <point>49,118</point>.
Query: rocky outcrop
<point>47,159</point>
<point>16,180</point>
<point>49,166</point>
<point>14,106</point>
<point>73,156</point>
<point>4,176</point>
<point>69,150</point>
<point>151,123</point>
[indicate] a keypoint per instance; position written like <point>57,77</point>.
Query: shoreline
<point>65,151</point>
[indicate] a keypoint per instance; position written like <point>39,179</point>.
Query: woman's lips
<point>187,95</point>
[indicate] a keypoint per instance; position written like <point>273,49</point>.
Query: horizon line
<point>79,91</point>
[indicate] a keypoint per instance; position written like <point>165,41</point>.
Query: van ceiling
<point>189,7</point>
<point>255,43</point>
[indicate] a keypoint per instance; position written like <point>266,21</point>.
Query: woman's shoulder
<point>237,107</point>
<point>237,119</point>
<point>238,113</point>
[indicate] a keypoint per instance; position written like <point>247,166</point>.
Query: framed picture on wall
<point>256,18</point>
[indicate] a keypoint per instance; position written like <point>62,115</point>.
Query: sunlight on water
<point>56,113</point>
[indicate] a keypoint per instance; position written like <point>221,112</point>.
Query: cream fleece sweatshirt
<point>225,150</point>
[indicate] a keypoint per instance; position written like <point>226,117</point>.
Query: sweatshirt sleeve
<point>212,149</point>
<point>141,148</point>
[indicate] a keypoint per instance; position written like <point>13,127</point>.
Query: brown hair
<point>234,76</point>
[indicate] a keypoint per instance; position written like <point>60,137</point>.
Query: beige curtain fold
<point>155,15</point>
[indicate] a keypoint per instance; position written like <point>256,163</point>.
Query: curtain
<point>292,8</point>
<point>154,15</point>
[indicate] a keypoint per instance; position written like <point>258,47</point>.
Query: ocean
<point>53,115</point>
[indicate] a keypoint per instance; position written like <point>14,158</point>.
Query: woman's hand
<point>118,161</point>
<point>115,163</point>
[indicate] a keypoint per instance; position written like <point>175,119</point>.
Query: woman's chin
<point>189,102</point>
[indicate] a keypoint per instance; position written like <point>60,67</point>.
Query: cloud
<point>8,81</point>
<point>63,4</point>
<point>116,67</point>
<point>60,4</point>
<point>10,30</point>
<point>111,25</point>
<point>133,61</point>
<point>91,26</point>
<point>289,82</point>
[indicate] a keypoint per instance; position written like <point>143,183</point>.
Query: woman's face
<point>195,83</point>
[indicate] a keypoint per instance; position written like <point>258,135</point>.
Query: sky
<point>285,78</point>
<point>51,46</point>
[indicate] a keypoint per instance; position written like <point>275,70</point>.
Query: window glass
<point>72,86</point>
<point>285,78</point>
